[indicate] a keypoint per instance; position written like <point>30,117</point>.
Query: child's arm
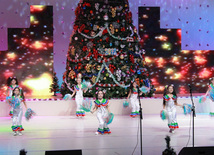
<point>85,90</point>
<point>207,91</point>
<point>108,109</point>
<point>7,92</point>
<point>73,93</point>
<point>176,103</point>
<point>94,109</point>
<point>25,104</point>
<point>129,95</point>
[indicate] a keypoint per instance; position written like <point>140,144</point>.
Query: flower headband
<point>104,91</point>
<point>169,85</point>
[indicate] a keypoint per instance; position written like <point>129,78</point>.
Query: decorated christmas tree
<point>54,86</point>
<point>104,47</point>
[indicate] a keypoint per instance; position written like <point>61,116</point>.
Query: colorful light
<point>166,46</point>
<point>37,8</point>
<point>160,62</point>
<point>200,60</point>
<point>11,56</point>
<point>205,73</point>
<point>169,71</point>
<point>40,86</point>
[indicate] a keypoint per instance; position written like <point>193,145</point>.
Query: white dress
<point>211,99</point>
<point>171,111</point>
<point>11,88</point>
<point>134,103</point>
<point>17,113</point>
<point>102,114</point>
<point>79,101</point>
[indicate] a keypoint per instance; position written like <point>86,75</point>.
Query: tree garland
<point>101,31</point>
<point>98,77</point>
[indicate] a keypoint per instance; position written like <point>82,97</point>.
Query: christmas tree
<point>54,86</point>
<point>104,47</point>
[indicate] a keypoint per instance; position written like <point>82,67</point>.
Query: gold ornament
<point>98,67</point>
<point>93,79</point>
<point>72,74</point>
<point>113,11</point>
<point>112,29</point>
<point>88,67</point>
<point>116,30</point>
<point>72,50</point>
<point>124,67</point>
<point>104,78</point>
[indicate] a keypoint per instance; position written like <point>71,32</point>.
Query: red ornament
<point>107,39</point>
<point>75,27</point>
<point>86,31</point>
<point>105,31</point>
<point>84,48</point>
<point>82,27</point>
<point>131,57</point>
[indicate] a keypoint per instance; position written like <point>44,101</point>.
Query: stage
<point>59,107</point>
<point>44,133</point>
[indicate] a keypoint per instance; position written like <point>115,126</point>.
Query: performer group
<point>15,98</point>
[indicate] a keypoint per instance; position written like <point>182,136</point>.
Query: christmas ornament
<point>97,6</point>
<point>105,17</point>
<point>72,74</point>
<point>93,79</point>
<point>111,28</point>
<point>88,68</point>
<point>113,11</point>
<point>121,56</point>
<point>98,67</point>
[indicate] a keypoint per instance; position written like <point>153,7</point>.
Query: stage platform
<point>44,133</point>
<point>60,107</point>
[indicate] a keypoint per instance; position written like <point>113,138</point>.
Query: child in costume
<point>79,96</point>
<point>16,101</point>
<point>133,95</point>
<point>210,92</point>
<point>170,103</point>
<point>102,108</point>
<point>12,83</point>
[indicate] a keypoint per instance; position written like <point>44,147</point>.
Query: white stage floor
<point>68,133</point>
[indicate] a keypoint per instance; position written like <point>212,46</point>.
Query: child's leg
<point>106,128</point>
<point>137,107</point>
<point>174,118</point>
<point>78,107</point>
<point>211,107</point>
<point>101,123</point>
<point>14,123</point>
<point>169,118</point>
<point>133,104</point>
<point>20,120</point>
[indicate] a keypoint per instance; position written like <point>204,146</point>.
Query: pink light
<point>200,60</point>
<point>205,73</point>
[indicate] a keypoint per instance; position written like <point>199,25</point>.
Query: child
<point>79,96</point>
<point>133,95</point>
<point>170,102</point>
<point>16,101</point>
<point>12,82</point>
<point>210,92</point>
<point>101,104</point>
